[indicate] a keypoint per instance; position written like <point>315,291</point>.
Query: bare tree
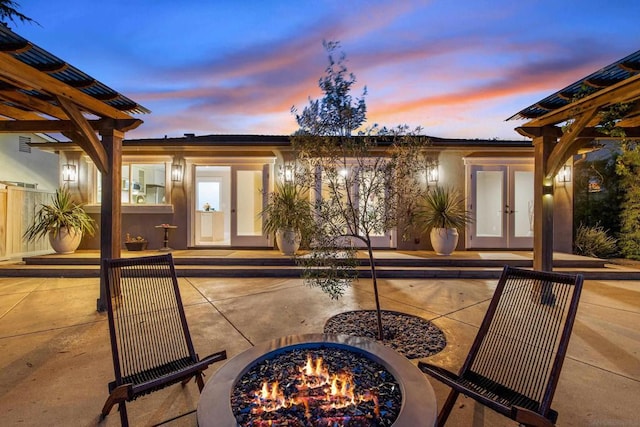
<point>365,185</point>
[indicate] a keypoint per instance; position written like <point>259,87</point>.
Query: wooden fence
<point>17,210</point>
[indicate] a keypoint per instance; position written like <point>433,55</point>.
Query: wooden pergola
<point>42,93</point>
<point>564,122</point>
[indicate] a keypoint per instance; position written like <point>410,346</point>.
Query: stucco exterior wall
<point>37,167</point>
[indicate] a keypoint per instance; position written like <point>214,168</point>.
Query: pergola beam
<point>87,138</point>
<point>625,91</point>
<point>32,103</point>
<point>64,126</point>
<point>568,144</point>
<point>19,114</point>
<point>22,75</point>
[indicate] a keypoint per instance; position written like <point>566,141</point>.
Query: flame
<point>270,398</point>
<point>313,375</point>
<point>315,386</point>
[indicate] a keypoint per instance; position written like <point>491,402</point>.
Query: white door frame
<point>511,210</point>
<point>262,164</point>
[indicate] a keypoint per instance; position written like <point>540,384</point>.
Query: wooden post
<point>543,202</point>
<point>110,214</point>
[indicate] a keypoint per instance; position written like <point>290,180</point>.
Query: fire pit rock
<point>220,395</point>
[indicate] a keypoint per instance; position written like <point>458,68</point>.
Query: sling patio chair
<point>516,358</point>
<point>150,340</point>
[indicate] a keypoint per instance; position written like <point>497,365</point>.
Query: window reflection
<point>142,183</point>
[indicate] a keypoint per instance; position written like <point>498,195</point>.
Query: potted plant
<point>63,221</point>
<point>442,212</point>
<point>288,214</point>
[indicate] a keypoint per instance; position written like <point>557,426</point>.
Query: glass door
<point>521,208</point>
<point>248,198</point>
<point>212,206</point>
<point>501,204</point>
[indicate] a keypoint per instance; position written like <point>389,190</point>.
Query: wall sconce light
<point>432,172</point>
<point>288,173</point>
<point>69,173</point>
<point>547,189</point>
<point>564,175</point>
<point>176,172</point>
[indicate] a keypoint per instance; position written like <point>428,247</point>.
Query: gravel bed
<point>412,336</point>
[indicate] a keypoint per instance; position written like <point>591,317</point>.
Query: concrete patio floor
<point>55,357</point>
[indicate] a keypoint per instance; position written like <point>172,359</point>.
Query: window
<point>142,184</point>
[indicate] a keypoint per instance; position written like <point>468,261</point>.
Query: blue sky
<point>456,68</point>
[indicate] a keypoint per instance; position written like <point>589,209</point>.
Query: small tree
<point>597,193</point>
<point>369,182</point>
<point>628,169</point>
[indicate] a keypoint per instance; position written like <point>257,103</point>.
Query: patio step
<point>270,264</point>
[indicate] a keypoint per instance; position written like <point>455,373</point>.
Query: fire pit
<point>319,379</point>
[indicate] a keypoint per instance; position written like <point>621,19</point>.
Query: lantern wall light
<point>69,173</point>
<point>288,173</point>
<point>564,175</point>
<point>433,174</point>
<point>176,172</point>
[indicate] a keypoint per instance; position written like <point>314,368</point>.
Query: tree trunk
<point>375,289</point>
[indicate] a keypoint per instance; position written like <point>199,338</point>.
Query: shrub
<point>595,242</point>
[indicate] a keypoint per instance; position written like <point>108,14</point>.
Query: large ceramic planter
<point>288,241</point>
<point>444,240</point>
<point>65,241</point>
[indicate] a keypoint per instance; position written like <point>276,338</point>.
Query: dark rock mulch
<point>412,336</point>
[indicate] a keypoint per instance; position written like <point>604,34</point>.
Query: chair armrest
<point>438,373</point>
<point>215,357</point>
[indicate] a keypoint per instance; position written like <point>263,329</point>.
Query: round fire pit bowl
<point>418,407</point>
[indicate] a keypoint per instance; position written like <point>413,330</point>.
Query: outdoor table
<point>166,228</point>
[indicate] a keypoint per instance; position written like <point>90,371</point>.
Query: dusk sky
<point>459,68</point>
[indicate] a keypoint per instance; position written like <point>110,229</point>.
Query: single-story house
<point>212,188</point>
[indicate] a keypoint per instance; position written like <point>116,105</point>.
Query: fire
<point>316,386</point>
<point>313,375</point>
<point>271,398</point>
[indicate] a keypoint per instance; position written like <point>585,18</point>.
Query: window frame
<point>131,206</point>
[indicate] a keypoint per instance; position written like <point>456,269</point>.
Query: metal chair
<point>516,358</point>
<point>150,339</point>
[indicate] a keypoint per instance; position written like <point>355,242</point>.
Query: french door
<point>247,201</point>
<point>501,204</point>
<point>226,203</point>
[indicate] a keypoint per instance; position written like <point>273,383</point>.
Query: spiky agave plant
<point>60,213</point>
<point>443,207</point>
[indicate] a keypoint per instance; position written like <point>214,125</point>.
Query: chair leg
<point>124,419</point>
<point>119,394</point>
<point>200,381</point>
<point>447,407</point>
